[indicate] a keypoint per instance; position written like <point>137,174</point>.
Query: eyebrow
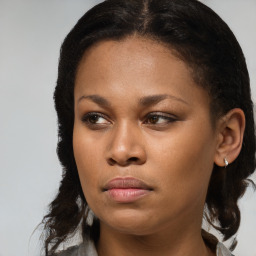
<point>144,101</point>
<point>154,99</point>
<point>96,99</point>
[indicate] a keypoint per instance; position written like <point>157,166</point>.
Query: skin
<point>173,149</point>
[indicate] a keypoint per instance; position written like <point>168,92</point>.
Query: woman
<point>156,131</point>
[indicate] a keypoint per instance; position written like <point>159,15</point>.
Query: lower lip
<point>128,195</point>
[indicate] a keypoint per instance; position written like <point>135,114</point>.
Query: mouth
<point>126,190</point>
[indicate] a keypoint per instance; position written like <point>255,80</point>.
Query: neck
<point>172,241</point>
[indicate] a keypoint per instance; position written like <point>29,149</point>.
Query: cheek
<point>87,161</point>
<point>186,161</point>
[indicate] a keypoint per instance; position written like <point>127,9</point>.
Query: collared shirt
<point>87,248</point>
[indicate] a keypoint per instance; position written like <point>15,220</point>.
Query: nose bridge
<point>126,144</point>
<point>125,137</point>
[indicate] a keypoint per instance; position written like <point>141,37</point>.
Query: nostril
<point>133,159</point>
<point>128,161</point>
<point>111,161</point>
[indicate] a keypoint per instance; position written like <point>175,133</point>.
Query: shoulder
<point>87,248</point>
<point>72,251</point>
<point>222,250</point>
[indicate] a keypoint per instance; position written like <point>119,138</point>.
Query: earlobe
<point>230,137</point>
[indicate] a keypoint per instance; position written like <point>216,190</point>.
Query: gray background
<point>31,32</point>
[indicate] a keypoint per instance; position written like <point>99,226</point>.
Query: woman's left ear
<point>230,131</point>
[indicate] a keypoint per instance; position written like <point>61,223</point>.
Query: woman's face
<point>143,141</point>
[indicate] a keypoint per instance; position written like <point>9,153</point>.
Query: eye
<point>159,118</point>
<point>94,118</point>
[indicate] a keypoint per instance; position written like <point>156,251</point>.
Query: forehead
<point>131,55</point>
<point>129,44</point>
<point>132,67</point>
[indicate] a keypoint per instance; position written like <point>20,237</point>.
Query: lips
<point>126,183</point>
<point>126,190</point>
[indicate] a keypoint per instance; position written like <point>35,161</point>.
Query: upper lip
<point>126,183</point>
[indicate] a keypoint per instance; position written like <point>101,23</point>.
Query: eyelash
<point>86,117</point>
<point>168,119</point>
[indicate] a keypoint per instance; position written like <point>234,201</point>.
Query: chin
<point>130,222</point>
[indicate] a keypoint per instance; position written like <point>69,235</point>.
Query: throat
<point>116,244</point>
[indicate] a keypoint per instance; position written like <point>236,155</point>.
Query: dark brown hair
<point>203,41</point>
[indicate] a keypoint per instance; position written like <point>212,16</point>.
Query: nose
<point>126,146</point>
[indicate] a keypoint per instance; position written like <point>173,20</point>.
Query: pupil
<point>153,119</point>
<point>93,119</point>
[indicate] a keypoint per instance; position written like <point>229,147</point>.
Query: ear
<point>230,136</point>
